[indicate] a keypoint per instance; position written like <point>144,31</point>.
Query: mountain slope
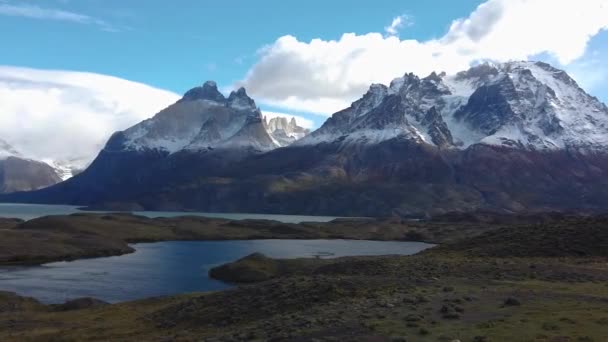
<point>20,174</point>
<point>518,136</point>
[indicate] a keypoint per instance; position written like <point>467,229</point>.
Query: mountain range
<point>515,136</point>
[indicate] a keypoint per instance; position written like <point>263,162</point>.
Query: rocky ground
<point>541,279</point>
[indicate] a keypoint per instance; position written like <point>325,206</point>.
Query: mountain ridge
<point>518,136</point>
<point>527,105</point>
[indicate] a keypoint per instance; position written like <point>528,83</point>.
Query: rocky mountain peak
<point>208,91</point>
<point>434,77</point>
<point>529,105</point>
<point>240,100</point>
<point>376,93</point>
<point>285,131</point>
<point>401,84</point>
<point>204,119</point>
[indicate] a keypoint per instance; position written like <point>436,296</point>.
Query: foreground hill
<point>513,137</point>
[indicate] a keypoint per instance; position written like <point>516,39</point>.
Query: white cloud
<point>302,122</point>
<point>63,115</point>
<point>398,23</point>
<point>324,76</point>
<point>37,12</point>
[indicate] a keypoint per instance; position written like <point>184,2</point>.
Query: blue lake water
<point>168,268</point>
<point>32,211</point>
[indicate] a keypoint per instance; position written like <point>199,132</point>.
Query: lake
<point>32,211</point>
<point>168,268</point>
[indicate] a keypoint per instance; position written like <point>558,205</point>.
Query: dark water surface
<point>167,268</point>
<point>32,211</point>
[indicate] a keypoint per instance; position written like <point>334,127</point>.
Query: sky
<point>85,68</point>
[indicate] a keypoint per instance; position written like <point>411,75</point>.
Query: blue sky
<point>177,44</point>
<point>308,58</point>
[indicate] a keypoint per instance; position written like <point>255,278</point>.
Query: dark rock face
<point>240,98</point>
<point>438,130</point>
<point>488,108</point>
<point>18,174</point>
<point>207,92</point>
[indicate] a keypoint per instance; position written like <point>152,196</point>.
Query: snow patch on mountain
<point>65,170</point>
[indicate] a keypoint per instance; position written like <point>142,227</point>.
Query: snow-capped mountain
<point>528,105</point>
<point>203,119</point>
<point>518,136</point>
<point>284,131</point>
<point>21,174</point>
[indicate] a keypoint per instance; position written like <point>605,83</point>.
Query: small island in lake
<point>489,276</point>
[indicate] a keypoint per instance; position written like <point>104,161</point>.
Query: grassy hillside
<point>467,290</point>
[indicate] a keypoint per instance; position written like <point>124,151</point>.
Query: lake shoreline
<point>90,235</point>
<point>78,236</point>
<point>27,211</point>
<point>514,281</point>
<point>173,267</point>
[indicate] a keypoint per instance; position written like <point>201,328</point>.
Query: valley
<point>527,278</point>
<point>310,171</point>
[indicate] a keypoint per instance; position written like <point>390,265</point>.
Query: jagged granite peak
<point>203,120</point>
<point>208,91</point>
<point>240,100</point>
<point>341,123</point>
<point>434,77</point>
<point>529,105</point>
<point>385,113</point>
<point>253,134</point>
<point>285,131</point>
<point>437,128</point>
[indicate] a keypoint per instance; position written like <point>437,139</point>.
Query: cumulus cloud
<point>68,116</point>
<point>300,121</point>
<point>398,23</point>
<point>37,12</point>
<point>324,76</point>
